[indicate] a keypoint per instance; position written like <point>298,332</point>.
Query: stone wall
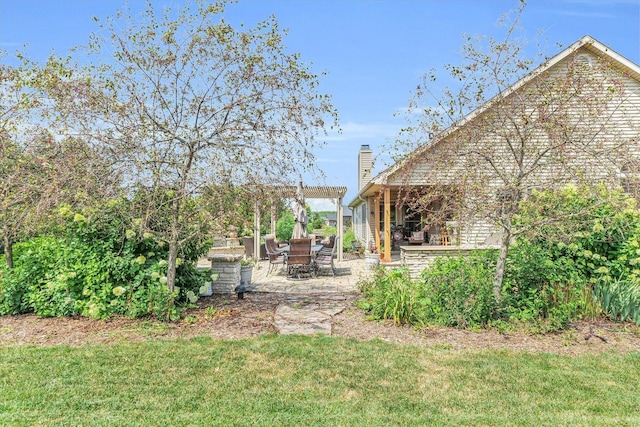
<point>226,250</point>
<point>416,258</point>
<point>228,268</point>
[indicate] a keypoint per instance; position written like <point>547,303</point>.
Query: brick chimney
<point>365,166</point>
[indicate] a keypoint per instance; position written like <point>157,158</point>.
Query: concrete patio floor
<point>348,273</point>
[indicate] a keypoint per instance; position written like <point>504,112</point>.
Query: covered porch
<point>390,222</point>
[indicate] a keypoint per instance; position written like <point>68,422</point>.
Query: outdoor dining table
<point>314,248</point>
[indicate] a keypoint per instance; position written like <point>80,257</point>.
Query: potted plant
<point>246,270</point>
<point>372,256</point>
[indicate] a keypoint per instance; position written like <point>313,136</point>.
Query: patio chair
<point>249,251</point>
<point>247,241</point>
<point>325,258</point>
<point>299,259</point>
<point>416,238</point>
<point>276,257</point>
<point>330,242</point>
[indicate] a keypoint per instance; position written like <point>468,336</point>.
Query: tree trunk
<point>502,260</point>
<point>173,246</point>
<point>8,251</point>
<point>171,265</point>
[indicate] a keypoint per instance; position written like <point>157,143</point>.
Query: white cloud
<point>318,205</point>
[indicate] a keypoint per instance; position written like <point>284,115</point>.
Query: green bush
<point>543,287</point>
<point>348,238</point>
<point>552,271</point>
<point>457,291</point>
<point>451,292</point>
<point>98,269</point>
<point>284,226</point>
<point>391,295</point>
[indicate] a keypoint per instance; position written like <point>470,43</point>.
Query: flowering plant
<point>373,249</point>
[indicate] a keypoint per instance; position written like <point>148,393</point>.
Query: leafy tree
<point>316,222</point>
<point>284,226</point>
<point>38,169</point>
<point>486,144</point>
<point>185,101</point>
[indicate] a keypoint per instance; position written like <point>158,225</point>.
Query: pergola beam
<point>310,192</point>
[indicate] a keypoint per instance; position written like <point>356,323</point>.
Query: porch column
<point>387,225</point>
<point>340,230</point>
<point>376,221</point>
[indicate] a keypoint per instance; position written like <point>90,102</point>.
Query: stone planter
<point>227,267</point>
<point>246,271</point>
<point>372,261</point>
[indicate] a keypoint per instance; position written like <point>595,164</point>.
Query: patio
<point>348,273</point>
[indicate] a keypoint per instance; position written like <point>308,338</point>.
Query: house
<point>554,126</point>
<point>332,219</point>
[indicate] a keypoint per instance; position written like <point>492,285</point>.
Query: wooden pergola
<point>311,192</point>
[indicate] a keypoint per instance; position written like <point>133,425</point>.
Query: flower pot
<point>246,271</point>
<point>372,260</point>
<point>206,290</point>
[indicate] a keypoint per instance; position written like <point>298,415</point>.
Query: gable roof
<point>587,42</point>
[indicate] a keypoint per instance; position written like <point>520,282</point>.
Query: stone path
<point>310,303</point>
<point>308,315</point>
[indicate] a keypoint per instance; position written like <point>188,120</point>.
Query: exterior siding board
<point>619,126</point>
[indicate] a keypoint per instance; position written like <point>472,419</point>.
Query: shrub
<point>390,295</point>
<point>284,226</point>
<point>98,269</point>
<point>348,238</point>
<point>451,292</point>
<point>457,291</point>
<point>552,270</point>
<point>543,287</point>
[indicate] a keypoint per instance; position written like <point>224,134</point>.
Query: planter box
<point>372,260</point>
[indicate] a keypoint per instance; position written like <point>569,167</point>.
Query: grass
<point>289,380</point>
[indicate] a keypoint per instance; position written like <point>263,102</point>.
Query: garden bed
<point>225,317</point>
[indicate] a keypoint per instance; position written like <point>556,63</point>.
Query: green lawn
<point>284,380</point>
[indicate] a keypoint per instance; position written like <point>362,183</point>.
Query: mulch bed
<point>226,317</point>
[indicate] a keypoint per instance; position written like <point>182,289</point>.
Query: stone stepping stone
<point>306,320</point>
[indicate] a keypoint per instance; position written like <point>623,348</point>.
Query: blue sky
<point>373,51</point>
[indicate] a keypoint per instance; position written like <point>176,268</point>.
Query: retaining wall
<point>416,258</point>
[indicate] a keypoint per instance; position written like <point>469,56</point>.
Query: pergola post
<point>340,230</point>
<point>273,216</point>
<point>256,229</point>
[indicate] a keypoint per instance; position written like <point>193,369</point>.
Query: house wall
<point>455,160</point>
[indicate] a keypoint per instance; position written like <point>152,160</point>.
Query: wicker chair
<point>247,241</point>
<point>276,257</point>
<point>417,238</point>
<point>249,251</point>
<point>299,259</point>
<point>325,258</point>
<point>330,242</point>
